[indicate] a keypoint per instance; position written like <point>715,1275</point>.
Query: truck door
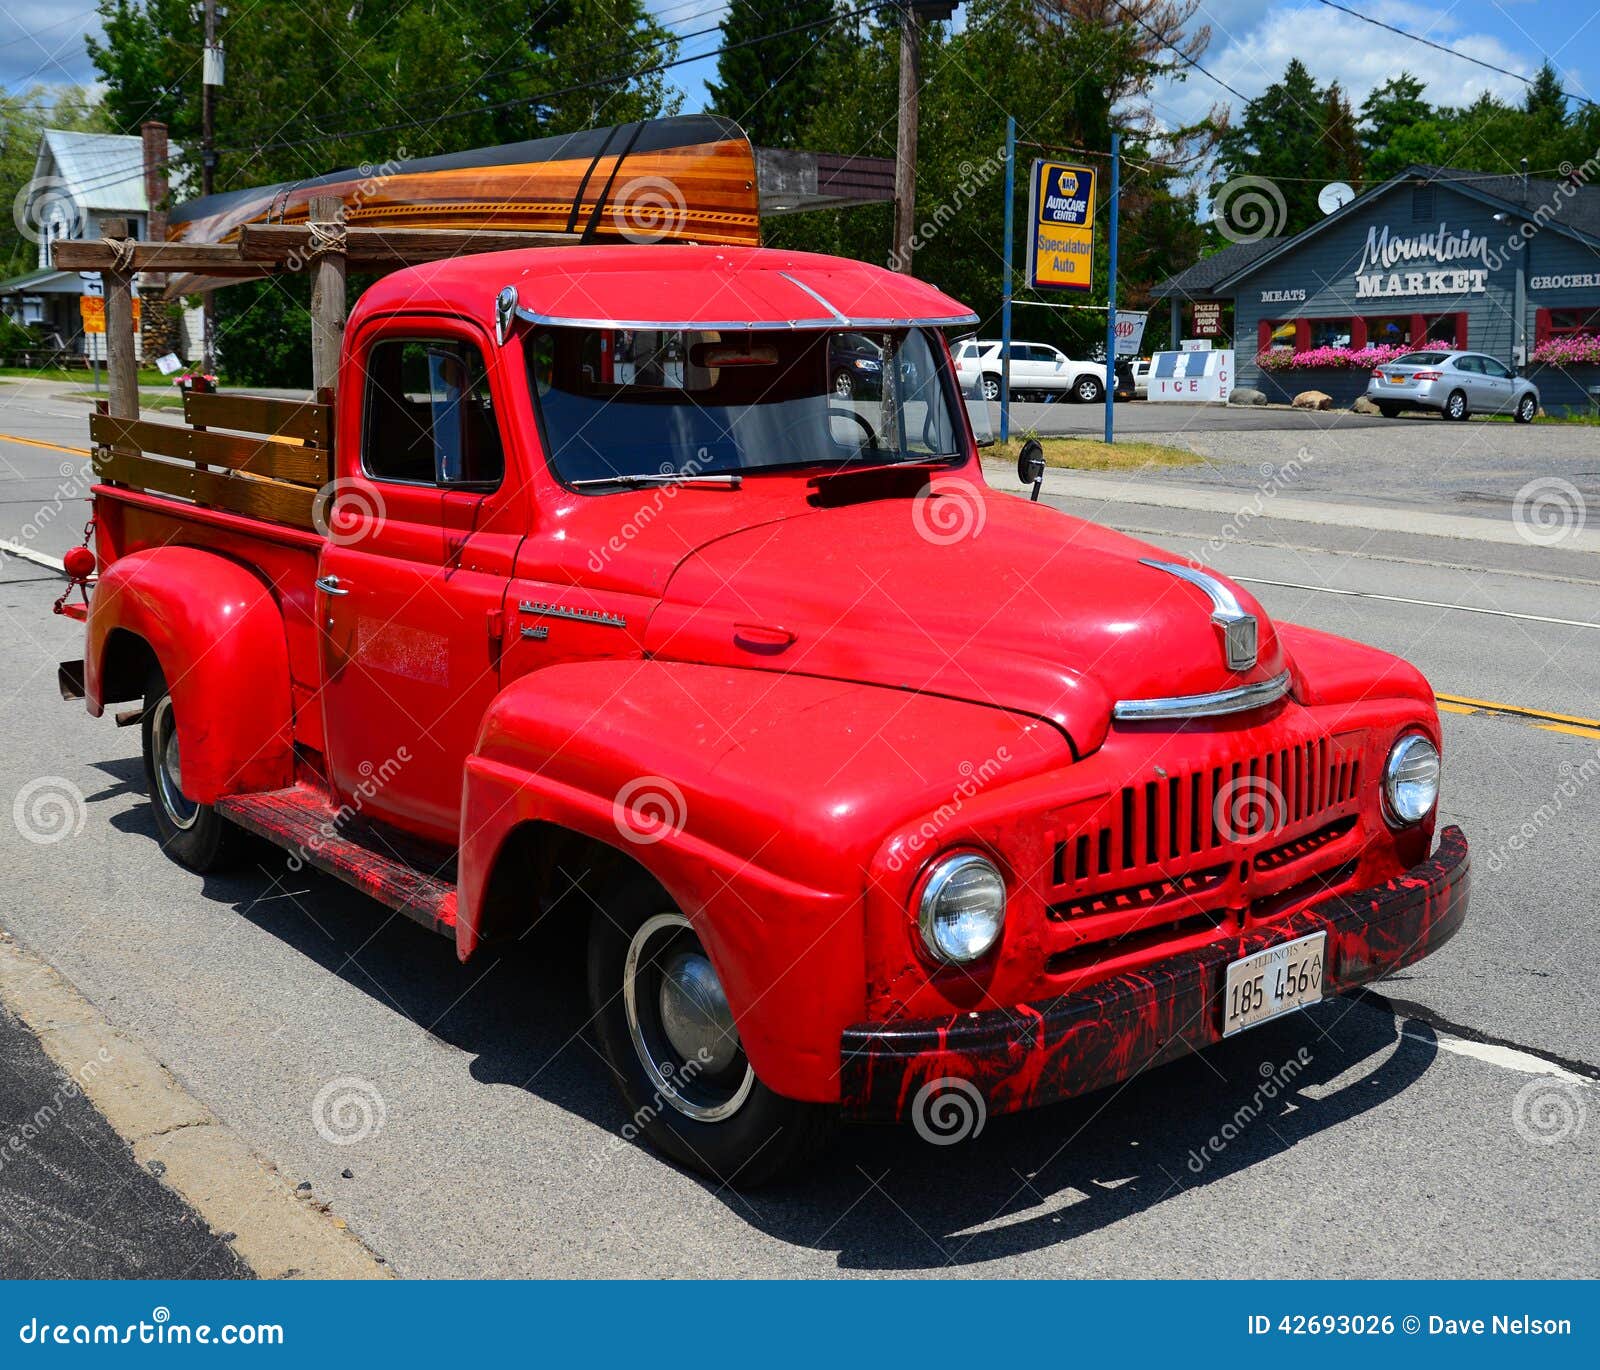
<point>421,535</point>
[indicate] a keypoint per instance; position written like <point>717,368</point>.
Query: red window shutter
<point>1263,335</point>
<point>1419,329</point>
<point>1302,335</point>
<point>1461,332</point>
<point>1541,326</point>
<point>1358,334</point>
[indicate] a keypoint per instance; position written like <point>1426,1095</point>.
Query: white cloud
<point>1252,42</point>
<point>39,45</point>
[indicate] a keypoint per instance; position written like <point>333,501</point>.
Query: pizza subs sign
<point>1439,262</point>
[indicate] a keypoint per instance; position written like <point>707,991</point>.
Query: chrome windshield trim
<point>1233,701</point>
<point>744,325</point>
<point>816,295</point>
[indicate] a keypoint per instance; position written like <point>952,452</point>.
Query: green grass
<point>1092,454</point>
<point>74,375</point>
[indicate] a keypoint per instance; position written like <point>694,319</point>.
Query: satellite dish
<point>1334,196</point>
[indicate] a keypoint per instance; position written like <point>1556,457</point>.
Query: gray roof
<point>1198,280</point>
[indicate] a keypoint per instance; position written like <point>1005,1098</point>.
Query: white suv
<point>1036,369</point>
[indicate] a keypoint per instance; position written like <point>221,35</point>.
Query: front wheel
<point>1527,407</point>
<point>668,1035</point>
<point>844,385</point>
<point>194,835</point>
<point>1456,406</point>
<point>991,387</point>
<point>1087,390</point>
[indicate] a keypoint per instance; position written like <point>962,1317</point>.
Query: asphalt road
<point>1448,1128</point>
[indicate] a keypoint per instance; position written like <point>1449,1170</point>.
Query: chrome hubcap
<point>169,768</point>
<point>680,1023</point>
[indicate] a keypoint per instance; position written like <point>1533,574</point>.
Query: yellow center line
<point>1541,718</point>
<point>39,442</point>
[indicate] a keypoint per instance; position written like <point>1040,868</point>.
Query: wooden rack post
<point>122,371</point>
<point>327,288</point>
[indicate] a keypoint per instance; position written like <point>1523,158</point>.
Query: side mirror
<point>1030,464</point>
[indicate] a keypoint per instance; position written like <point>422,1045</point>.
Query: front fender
<point>757,801</point>
<point>218,635</point>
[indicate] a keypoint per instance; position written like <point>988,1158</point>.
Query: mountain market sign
<point>1444,253</point>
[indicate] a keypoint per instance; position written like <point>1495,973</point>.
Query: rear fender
<point>218,636</point>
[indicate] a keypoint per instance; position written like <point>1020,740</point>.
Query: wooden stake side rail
<point>273,458</point>
<point>312,423</point>
<point>253,496</point>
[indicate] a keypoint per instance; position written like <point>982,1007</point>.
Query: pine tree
<point>768,85</point>
<point>1544,100</point>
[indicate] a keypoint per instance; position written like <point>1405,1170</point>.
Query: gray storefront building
<point>1500,264</point>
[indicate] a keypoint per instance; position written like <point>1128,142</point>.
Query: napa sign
<point>1435,263</point>
<point>1061,207</point>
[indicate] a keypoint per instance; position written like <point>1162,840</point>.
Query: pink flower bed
<point>1568,352</point>
<point>1330,358</point>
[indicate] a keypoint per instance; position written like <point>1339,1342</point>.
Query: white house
<point>79,181</point>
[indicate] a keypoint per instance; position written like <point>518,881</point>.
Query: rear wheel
<point>194,835</point>
<point>668,1035</point>
<point>1456,406</point>
<point>1088,389</point>
<point>1389,411</point>
<point>1527,407</point>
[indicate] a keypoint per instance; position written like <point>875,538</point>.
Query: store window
<point>1444,328</point>
<point>1389,330</point>
<point>1568,323</point>
<point>1329,333</point>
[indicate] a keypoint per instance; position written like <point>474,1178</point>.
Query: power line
<point>1178,52</point>
<point>1440,47</point>
<point>541,96</point>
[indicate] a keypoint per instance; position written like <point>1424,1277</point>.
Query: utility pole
<point>912,13</point>
<point>905,147</point>
<point>211,78</point>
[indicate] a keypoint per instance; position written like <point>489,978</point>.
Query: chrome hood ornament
<point>1240,631</point>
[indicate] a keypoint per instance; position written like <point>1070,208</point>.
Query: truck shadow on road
<point>883,1198</point>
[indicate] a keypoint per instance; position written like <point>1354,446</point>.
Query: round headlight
<point>962,909</point>
<point>1411,779</point>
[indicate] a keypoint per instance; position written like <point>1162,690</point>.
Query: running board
<point>303,823</point>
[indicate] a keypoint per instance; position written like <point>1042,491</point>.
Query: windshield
<point>647,403</point>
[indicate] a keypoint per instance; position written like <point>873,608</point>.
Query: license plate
<point>1272,982</point>
<point>1396,380</point>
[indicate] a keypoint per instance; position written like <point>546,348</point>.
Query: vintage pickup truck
<point>586,602</point>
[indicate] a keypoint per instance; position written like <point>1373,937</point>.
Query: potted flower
<point>201,382</point>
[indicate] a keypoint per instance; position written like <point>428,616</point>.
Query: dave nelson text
<point>1384,1324</point>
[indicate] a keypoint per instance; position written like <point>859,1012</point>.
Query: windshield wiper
<point>857,469</point>
<point>732,479</point>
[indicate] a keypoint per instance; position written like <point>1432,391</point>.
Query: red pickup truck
<point>879,793</point>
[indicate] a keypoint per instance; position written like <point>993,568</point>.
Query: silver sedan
<point>1455,384</point>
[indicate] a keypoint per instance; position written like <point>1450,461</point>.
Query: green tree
<point>24,117</point>
<point>1283,136</point>
<point>769,85</point>
<point>1544,100</point>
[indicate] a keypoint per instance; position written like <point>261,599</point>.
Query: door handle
<point>329,585</point>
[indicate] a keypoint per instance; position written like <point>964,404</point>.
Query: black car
<point>855,364</point>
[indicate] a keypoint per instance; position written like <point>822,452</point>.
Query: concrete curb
<point>278,1234</point>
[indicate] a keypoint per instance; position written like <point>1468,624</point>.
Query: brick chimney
<point>158,329</point>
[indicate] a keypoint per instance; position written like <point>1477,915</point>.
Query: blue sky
<point>42,41</point>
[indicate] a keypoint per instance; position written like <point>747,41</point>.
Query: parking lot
<point>1444,1125</point>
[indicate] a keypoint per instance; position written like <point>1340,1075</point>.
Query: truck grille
<point>1162,858</point>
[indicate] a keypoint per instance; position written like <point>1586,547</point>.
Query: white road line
<point>16,549</point>
<point>1424,603</point>
<point>1506,1058</point>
